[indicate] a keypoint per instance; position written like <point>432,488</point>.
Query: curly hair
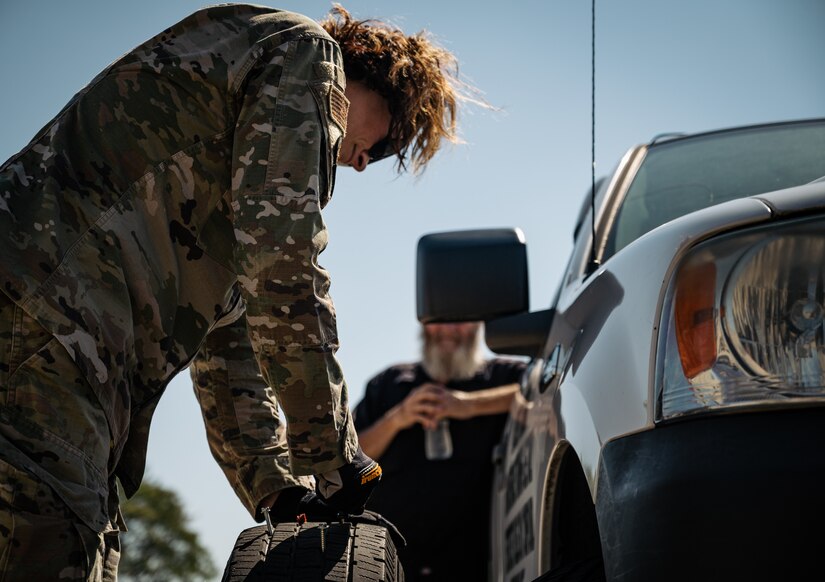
<point>419,80</point>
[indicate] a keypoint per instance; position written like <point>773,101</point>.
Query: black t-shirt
<point>441,507</point>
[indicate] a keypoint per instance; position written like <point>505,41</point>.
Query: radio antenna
<point>594,263</point>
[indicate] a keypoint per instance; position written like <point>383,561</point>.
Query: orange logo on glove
<point>373,472</point>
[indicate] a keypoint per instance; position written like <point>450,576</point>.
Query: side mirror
<point>473,275</point>
<point>519,335</point>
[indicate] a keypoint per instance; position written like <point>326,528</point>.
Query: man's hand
<point>422,405</point>
<point>453,404</point>
<point>429,403</point>
<point>347,488</point>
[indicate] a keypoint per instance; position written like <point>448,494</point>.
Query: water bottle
<point>438,444</point>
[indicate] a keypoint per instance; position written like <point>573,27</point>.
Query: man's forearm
<point>489,401</point>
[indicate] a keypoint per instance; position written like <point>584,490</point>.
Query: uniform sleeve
<point>239,410</point>
<point>291,121</point>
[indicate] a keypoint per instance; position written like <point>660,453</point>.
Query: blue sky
<point>661,67</point>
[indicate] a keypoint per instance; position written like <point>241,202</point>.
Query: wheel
<point>314,551</point>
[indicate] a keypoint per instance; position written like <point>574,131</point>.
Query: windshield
<point>689,174</point>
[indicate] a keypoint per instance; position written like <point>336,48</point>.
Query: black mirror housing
<point>519,335</point>
<point>472,275</point>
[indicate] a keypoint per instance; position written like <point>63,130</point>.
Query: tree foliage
<point>159,544</point>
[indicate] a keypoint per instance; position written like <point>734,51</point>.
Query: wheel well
<point>573,531</point>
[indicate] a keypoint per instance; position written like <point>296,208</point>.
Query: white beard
<point>461,364</point>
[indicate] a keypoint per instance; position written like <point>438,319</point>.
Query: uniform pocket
<point>38,536</point>
<point>55,410</point>
<point>49,409</point>
<point>20,338</point>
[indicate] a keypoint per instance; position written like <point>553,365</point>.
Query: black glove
<point>295,502</point>
<point>347,488</point>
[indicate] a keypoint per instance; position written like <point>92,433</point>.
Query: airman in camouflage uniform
<point>180,188</point>
<point>169,216</point>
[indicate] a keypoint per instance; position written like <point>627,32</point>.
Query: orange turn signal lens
<point>695,317</point>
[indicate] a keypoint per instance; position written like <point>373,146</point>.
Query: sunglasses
<point>383,149</point>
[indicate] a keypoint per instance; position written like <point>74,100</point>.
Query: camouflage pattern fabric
<point>238,410</point>
<point>40,539</point>
<point>177,199</point>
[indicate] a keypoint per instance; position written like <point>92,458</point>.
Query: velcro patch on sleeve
<point>329,72</point>
<point>338,107</point>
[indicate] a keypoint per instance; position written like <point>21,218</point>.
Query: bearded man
<point>440,505</point>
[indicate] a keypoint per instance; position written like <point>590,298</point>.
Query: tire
<point>314,551</point>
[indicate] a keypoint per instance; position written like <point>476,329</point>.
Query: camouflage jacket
<point>179,188</point>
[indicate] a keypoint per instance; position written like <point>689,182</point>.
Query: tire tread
<point>352,553</point>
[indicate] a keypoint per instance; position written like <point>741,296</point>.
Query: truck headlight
<point>744,322</point>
